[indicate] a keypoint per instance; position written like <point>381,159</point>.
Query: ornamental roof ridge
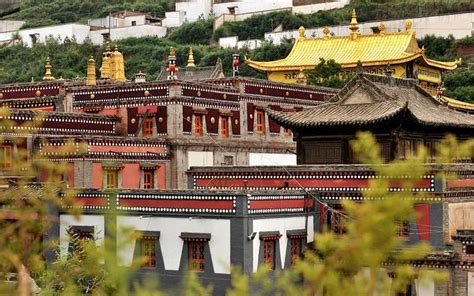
<point>109,138</point>
<point>65,114</point>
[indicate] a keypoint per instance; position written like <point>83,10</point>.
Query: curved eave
<point>455,104</point>
<point>441,65</point>
<point>286,120</point>
<point>440,124</point>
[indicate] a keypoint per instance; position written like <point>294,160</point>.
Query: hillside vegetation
<point>48,12</point>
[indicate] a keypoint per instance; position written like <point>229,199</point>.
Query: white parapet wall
<point>459,25</point>
<point>81,33</point>
<point>9,26</point>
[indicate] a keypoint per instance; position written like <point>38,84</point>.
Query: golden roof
<point>372,50</point>
<point>457,104</point>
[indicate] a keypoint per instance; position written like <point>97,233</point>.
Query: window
<point>148,179</point>
<point>198,125</point>
<point>79,236</point>
<point>338,220</point>
<point>148,127</point>
<point>148,251</point>
<point>111,179</point>
<point>228,160</point>
<point>134,23</point>
<point>224,127</point>
<point>269,253</point>
<point>196,259</point>
<point>295,249</point>
<point>261,122</point>
<point>404,230</point>
<point>470,249</point>
<point>287,132</point>
<point>6,156</point>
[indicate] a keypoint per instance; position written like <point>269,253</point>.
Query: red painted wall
<point>131,176</point>
<point>97,175</point>
<point>162,177</point>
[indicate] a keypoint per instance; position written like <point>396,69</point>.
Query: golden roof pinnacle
<point>91,77</point>
<point>381,29</point>
<point>301,32</point>
<point>354,27</point>
<point>191,58</point>
<point>409,25</point>
<point>48,73</point>
<point>326,32</point>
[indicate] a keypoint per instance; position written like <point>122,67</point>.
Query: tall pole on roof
<point>235,63</point>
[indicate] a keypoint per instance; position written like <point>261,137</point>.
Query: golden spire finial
<point>382,29</point>
<point>172,52</point>
<point>408,25</point>
<point>354,27</point>
<point>48,76</point>
<point>326,32</point>
<point>91,78</point>
<point>191,58</point>
<point>117,66</point>
<point>105,68</point>
<point>301,32</point>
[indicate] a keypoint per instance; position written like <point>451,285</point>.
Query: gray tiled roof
<point>196,73</point>
<point>369,99</point>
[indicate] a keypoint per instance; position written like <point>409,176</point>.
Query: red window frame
<point>196,259</point>
<point>224,127</point>
<point>148,251</point>
<point>148,127</point>
<point>295,250</point>
<point>260,122</point>
<point>6,156</point>
<point>404,230</point>
<point>198,125</point>
<point>269,253</point>
<point>148,179</point>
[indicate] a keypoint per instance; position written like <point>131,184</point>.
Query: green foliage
<point>256,26</point>
<point>47,12</point>
<point>460,84</point>
<point>198,32</point>
<point>327,73</point>
<point>438,48</point>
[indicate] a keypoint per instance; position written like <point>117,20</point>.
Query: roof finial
<point>360,68</point>
<point>140,77</point>
<point>382,29</point>
<point>91,78</point>
<point>172,69</point>
<point>235,63</point>
<point>191,58</point>
<point>301,32</point>
<point>326,32</point>
<point>105,68</point>
<point>354,27</point>
<point>408,25</point>
<point>48,76</point>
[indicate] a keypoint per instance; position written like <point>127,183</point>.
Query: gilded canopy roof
<point>371,50</point>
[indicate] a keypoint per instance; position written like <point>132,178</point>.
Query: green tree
<point>327,73</point>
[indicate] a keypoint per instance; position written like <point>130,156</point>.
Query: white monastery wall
<point>282,225</point>
<point>266,159</point>
<point>8,26</point>
<point>171,244</point>
<point>65,221</point>
<point>459,25</point>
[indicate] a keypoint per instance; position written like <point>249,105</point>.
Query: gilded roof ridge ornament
<point>354,27</point>
<point>48,76</point>
<point>301,32</point>
<point>326,32</point>
<point>409,25</point>
<point>191,58</point>
<point>90,76</point>
<point>382,29</point>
